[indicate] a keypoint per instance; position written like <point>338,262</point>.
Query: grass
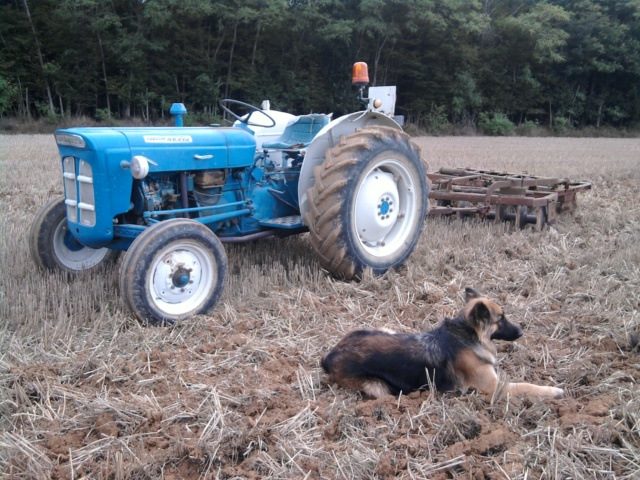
<point>87,392</point>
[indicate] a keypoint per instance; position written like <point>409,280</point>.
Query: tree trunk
<point>376,61</point>
<point>127,108</point>
<point>21,105</point>
<point>255,45</point>
<point>233,46</point>
<point>104,75</point>
<point>573,103</point>
<point>52,109</point>
<point>26,103</point>
<point>218,47</point>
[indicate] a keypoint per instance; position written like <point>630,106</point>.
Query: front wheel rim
<point>386,208</point>
<point>72,255</point>
<point>181,279</point>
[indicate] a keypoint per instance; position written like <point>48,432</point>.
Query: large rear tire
<point>54,248</point>
<point>175,269</point>
<point>368,202</point>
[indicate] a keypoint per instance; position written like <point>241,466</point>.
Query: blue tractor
<point>172,196</point>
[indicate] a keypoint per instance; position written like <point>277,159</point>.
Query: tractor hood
<point>174,148</point>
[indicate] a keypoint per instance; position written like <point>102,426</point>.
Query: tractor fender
<point>328,137</point>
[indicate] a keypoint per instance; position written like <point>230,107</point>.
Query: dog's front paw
<point>555,392</point>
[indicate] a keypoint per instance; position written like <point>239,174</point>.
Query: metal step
<point>288,223</point>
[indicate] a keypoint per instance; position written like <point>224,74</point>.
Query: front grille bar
<point>79,191</point>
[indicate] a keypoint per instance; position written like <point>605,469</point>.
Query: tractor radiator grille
<point>78,191</point>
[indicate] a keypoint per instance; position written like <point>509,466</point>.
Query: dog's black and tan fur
<point>459,354</point>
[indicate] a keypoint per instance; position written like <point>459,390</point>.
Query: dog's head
<point>487,318</point>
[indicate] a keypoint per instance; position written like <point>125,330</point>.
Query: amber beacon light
<point>360,74</point>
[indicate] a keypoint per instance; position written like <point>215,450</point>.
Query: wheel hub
<point>181,277</point>
<point>177,276</point>
<point>385,206</point>
<point>376,207</point>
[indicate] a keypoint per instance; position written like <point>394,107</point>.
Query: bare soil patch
<point>86,392</point>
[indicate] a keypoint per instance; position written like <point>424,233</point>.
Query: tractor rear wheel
<point>175,269</point>
<point>53,247</point>
<point>368,203</point>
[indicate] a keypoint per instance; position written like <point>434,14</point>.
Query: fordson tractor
<point>172,196</point>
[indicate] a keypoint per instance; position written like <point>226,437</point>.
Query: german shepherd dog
<point>458,354</point>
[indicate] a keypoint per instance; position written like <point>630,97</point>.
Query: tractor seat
<point>299,133</point>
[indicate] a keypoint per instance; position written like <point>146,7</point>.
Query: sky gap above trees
<point>556,62</point>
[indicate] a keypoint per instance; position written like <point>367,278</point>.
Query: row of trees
<point>575,62</point>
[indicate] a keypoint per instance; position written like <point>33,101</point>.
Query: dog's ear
<point>479,314</point>
<point>470,294</point>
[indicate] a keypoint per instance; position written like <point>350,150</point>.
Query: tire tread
<point>327,195</point>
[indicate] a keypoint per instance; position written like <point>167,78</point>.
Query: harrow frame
<point>501,196</point>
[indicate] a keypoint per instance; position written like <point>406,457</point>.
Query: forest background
<point>497,64</point>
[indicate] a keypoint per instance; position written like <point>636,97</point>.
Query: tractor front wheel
<point>175,269</point>
<point>368,202</point>
<point>53,247</point>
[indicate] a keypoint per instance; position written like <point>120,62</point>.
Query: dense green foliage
<point>571,62</point>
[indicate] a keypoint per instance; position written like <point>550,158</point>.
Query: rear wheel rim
<point>385,208</point>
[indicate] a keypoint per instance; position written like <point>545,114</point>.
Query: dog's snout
<point>507,331</point>
<point>518,332</point>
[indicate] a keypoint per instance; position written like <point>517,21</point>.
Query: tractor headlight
<point>70,140</point>
<point>139,167</point>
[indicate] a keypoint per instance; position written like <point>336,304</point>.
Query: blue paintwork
<point>71,243</point>
<point>180,281</point>
<point>250,191</point>
<point>178,110</point>
<point>384,208</point>
<point>112,184</point>
<point>173,149</point>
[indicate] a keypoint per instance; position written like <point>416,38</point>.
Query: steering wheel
<point>245,119</point>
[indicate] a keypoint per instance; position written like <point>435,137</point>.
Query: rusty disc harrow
<point>500,196</point>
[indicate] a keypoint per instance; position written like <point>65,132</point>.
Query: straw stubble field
<point>87,392</point>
